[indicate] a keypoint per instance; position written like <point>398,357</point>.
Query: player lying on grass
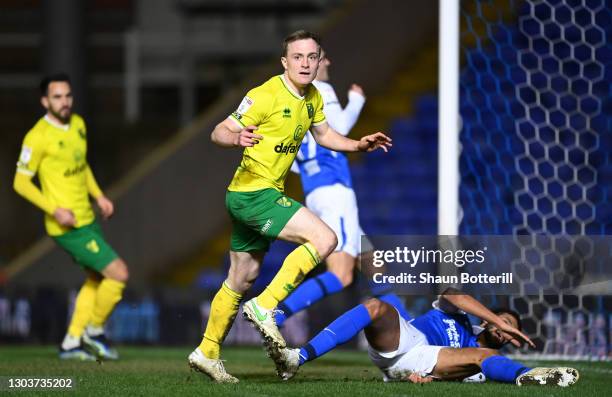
<point>439,345</point>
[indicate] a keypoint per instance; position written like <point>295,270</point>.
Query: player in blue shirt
<point>439,345</point>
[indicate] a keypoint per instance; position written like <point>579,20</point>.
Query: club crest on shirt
<point>298,134</point>
<point>82,133</point>
<point>77,155</point>
<point>310,109</point>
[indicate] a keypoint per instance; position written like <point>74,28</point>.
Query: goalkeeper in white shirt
<point>327,185</point>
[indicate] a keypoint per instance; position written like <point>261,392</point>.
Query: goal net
<point>536,142</point>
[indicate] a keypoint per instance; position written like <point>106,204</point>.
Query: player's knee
<point>327,242</point>
<point>124,273</point>
<point>242,275</point>
<point>375,307</point>
<point>243,285</point>
<point>117,270</point>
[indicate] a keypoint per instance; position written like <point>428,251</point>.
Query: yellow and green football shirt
<point>58,154</point>
<point>282,117</point>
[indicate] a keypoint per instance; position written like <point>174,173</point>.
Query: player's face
<point>58,101</point>
<point>495,338</point>
<point>323,72</point>
<point>301,62</point>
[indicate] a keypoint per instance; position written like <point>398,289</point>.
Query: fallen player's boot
<point>286,360</point>
<point>560,376</point>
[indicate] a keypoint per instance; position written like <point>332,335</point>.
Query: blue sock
<point>396,302</point>
<point>340,331</point>
<point>306,294</point>
<point>502,369</point>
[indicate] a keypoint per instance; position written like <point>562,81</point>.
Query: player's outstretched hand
<point>64,217</point>
<point>246,137</point>
<point>516,337</point>
<point>106,207</point>
<point>374,141</point>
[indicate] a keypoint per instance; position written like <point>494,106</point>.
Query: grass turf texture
<point>153,371</point>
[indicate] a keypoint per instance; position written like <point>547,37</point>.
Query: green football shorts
<point>87,247</point>
<point>258,217</point>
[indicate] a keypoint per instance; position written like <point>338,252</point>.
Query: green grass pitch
<point>153,371</point>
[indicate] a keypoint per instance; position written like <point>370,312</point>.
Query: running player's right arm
<point>32,152</point>
<point>229,134</point>
<point>237,129</point>
<point>24,186</point>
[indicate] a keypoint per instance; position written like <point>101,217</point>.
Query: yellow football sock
<point>108,294</point>
<point>223,310</point>
<point>295,267</point>
<point>83,306</point>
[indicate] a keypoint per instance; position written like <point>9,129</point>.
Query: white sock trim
<point>94,331</point>
<point>70,342</point>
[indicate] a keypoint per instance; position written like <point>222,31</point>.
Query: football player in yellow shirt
<point>269,125</point>
<point>55,149</point>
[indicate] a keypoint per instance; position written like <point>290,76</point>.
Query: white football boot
<point>286,360</point>
<point>560,376</point>
<point>212,367</point>
<point>263,321</point>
